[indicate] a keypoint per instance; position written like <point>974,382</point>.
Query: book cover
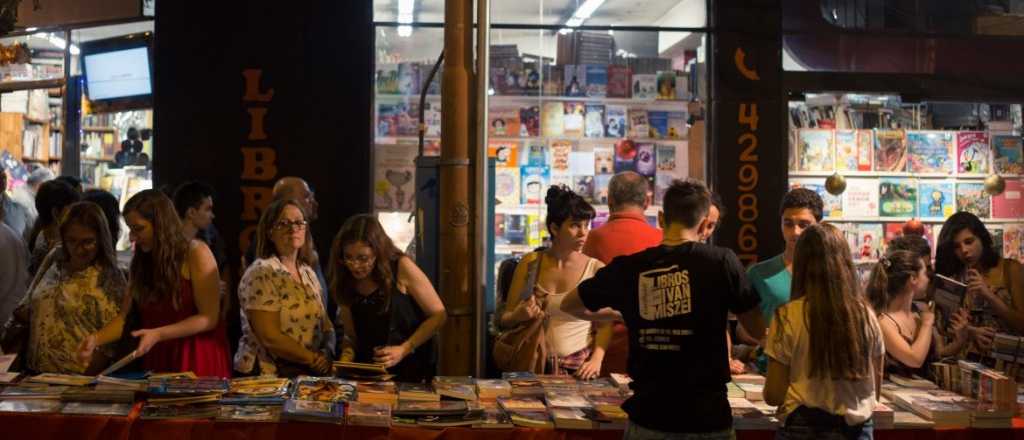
<point>530,79</point>
<point>409,79</point>
<point>514,81</point>
<point>572,120</point>
<point>499,81</point>
<point>645,87</point>
<point>1013,242</point>
<point>936,200</point>
<point>667,85</point>
<point>394,177</point>
<point>869,241</point>
<point>815,151</point>
<point>861,198</point>
<point>432,119</point>
<point>503,122</point>
<point>529,121</point>
<point>387,119</point>
<point>676,125</point>
<point>575,82</point>
<point>314,410</point>
<point>535,183</point>
<point>581,163</point>
<point>1007,155</point>
<point>639,126</point>
<point>847,155</point>
<point>625,156</point>
<point>618,81</point>
<point>615,121</point>
<point>560,150</point>
<point>645,160</point>
<point>930,151</point>
<point>537,155</point>
<point>892,232</point>
<point>552,115</point>
<point>1009,204</point>
<point>666,159</point>
<point>594,123</point>
<point>248,413</point>
<point>833,205</point>
<point>865,149</point>
<point>387,79</point>
<point>521,404</point>
<point>515,231</point>
<point>408,119</point>
<point>661,184</point>
<point>604,159</point>
<point>97,409</point>
<point>658,121</point>
<point>584,187</point>
<point>506,186</point>
<point>553,77</point>
<point>597,80</point>
<point>323,389</point>
<point>973,152</point>
<point>505,153</point>
<point>890,150</point>
<point>949,296</point>
<point>601,182</point>
<point>971,197</point>
<point>897,198</point>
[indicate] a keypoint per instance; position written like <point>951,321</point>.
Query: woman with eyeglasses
<point>77,291</point>
<point>173,283</point>
<point>284,324</point>
<point>389,309</point>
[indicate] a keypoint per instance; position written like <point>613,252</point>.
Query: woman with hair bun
<point>572,344</point>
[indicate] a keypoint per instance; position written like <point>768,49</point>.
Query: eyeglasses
<point>292,226</point>
<point>361,260</point>
<point>88,244</point>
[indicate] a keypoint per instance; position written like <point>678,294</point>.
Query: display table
<point>61,427</point>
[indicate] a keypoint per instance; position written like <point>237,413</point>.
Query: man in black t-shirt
<point>674,299</point>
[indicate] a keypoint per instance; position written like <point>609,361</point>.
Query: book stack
<point>527,387</point>
<point>377,392</point>
<point>33,391</point>
<point>1008,350</point>
<point>250,413</point>
<point>319,399</point>
<point>417,409</point>
<point>31,406</point>
<point>621,380</point>
<point>491,389</point>
<point>257,391</point>
<point>362,371</point>
<point>745,415</point>
<point>599,387</point>
<point>494,417</point>
<point>187,386</point>
<point>472,415</point>
<point>369,414</point>
<point>987,385</point>
<point>73,380</point>
<point>947,375</point>
<point>76,394</point>
<point>417,392</point>
<point>752,391</point>
<point>552,382</point>
<point>733,390</point>
<point>572,418</point>
<point>527,411</point>
<point>119,384</point>
<point>883,416</point>
<point>184,397</point>
<point>456,387</point>
<point>97,409</point>
<point>909,420</point>
<point>944,408</point>
<point>607,412</point>
<point>915,382</point>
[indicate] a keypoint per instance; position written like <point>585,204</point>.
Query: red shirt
<point>626,233</point>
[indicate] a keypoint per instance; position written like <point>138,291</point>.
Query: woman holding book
<point>77,291</point>
<point>995,286</point>
<point>908,329</point>
<point>825,346</point>
<point>575,347</point>
<point>173,282</point>
<point>284,324</point>
<point>389,309</point>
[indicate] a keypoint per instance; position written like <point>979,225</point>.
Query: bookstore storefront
<point>577,91</point>
<point>78,102</point>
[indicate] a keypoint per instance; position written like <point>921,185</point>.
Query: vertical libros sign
<point>259,160</point>
<point>747,140</point>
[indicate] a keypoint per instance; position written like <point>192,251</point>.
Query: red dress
<point>205,354</point>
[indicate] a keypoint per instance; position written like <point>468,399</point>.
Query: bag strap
<point>531,278</point>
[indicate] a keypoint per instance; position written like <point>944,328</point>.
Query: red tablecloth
<point>58,427</point>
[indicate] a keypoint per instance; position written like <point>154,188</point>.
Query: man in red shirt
<point>626,232</point>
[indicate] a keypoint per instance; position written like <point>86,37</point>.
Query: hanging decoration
<point>835,184</point>
<point>995,185</point>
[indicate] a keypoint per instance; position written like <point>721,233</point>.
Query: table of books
<point>517,406</point>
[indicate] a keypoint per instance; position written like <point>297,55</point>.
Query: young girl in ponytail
<point>896,280</point>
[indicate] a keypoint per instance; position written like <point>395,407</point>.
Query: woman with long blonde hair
<point>825,346</point>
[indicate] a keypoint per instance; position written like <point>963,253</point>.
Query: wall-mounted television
<point>118,71</point>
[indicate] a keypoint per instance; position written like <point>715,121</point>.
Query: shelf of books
<point>913,170</point>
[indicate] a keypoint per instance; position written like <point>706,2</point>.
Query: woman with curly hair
<point>173,282</point>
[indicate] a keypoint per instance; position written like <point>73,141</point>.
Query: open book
<point>950,296</point>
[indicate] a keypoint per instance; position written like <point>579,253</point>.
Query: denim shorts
<point>637,432</point>
<point>813,424</point>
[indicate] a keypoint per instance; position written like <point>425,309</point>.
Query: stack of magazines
<point>319,399</point>
<point>184,398</point>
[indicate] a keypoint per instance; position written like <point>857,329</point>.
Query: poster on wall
<point>394,181</point>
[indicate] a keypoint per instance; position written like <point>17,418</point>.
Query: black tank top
<point>392,327</point>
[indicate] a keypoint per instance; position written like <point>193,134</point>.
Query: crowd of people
<point>676,313</point>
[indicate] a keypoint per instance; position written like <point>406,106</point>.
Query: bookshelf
<point>910,169</point>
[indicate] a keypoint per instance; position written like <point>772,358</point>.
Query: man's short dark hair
<point>72,181</point>
<point>686,202</point>
<point>803,198</point>
<point>716,201</point>
<point>913,243</point>
<point>627,188</point>
<point>190,195</point>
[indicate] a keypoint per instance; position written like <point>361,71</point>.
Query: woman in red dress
<point>174,283</point>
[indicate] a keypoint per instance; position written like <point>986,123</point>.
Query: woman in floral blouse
<point>77,291</point>
<point>284,323</point>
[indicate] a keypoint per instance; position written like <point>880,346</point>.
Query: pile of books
<point>362,371</point>
<point>377,392</point>
<point>417,392</point>
<point>529,412</point>
<point>455,387</point>
<point>746,415</point>
<point>32,398</point>
<point>492,389</point>
<point>319,399</point>
<point>369,414</point>
<point>254,399</point>
<point>184,397</point>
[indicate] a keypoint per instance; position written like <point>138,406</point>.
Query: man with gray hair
<point>12,213</point>
<point>25,195</point>
<point>626,232</point>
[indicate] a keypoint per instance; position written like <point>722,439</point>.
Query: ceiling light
<point>583,12</point>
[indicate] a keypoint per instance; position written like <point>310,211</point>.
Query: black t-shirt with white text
<point>675,301</point>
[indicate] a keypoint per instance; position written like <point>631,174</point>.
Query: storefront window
<point>31,80</point>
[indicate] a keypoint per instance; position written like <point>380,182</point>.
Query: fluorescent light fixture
<point>31,29</point>
<point>565,31</point>
<point>59,42</point>
<point>404,31</point>
<point>406,10</point>
<point>583,12</point>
